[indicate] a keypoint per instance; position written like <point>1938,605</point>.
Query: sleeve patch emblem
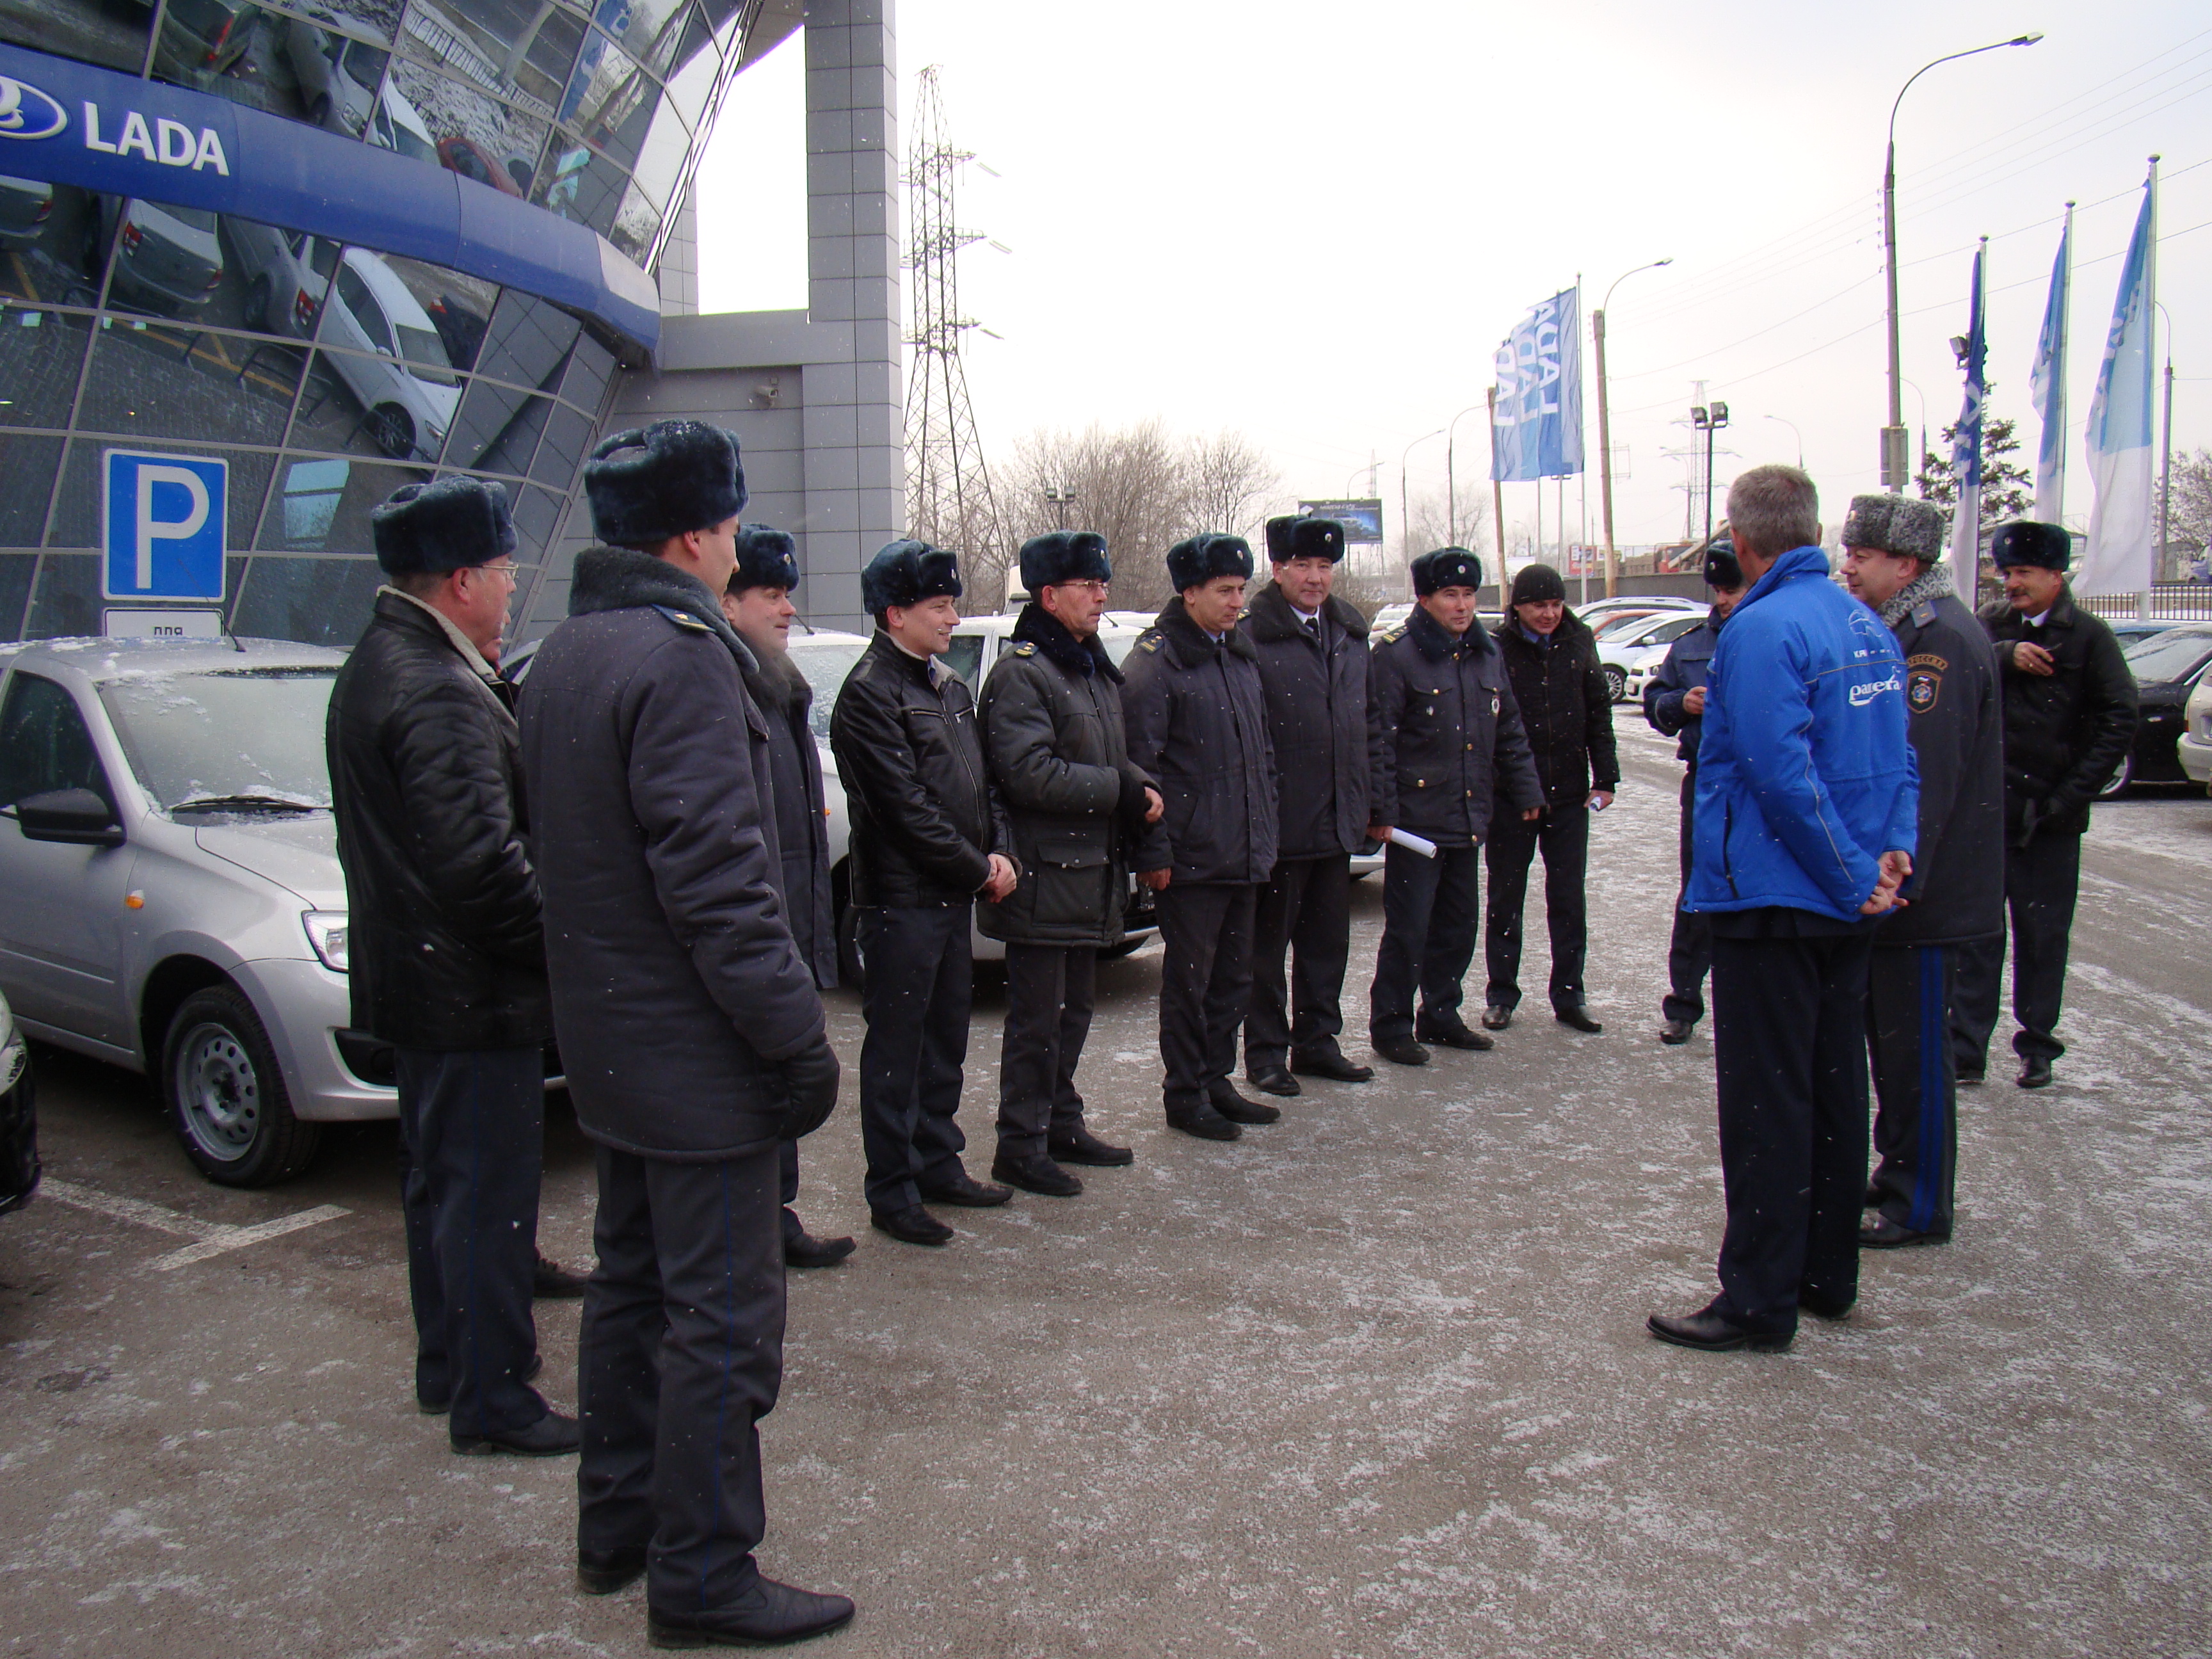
<point>1922,687</point>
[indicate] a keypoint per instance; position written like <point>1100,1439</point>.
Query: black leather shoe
<point>1230,1104</point>
<point>1275,1079</point>
<point>602,1572</point>
<point>1036,1173</point>
<point>2034,1074</point>
<point>1399,1050</point>
<point>1676,1032</point>
<point>808,1251</point>
<point>1709,1332</point>
<point>912,1226</point>
<point>1495,1019</point>
<point>767,1615</point>
<point>1085,1148</point>
<point>1203,1122</point>
<point>1454,1035</point>
<point>440,1407</point>
<point>1878,1232</point>
<point>1826,1307</point>
<point>551,1282</point>
<point>1970,1080</point>
<point>1578,1017</point>
<point>551,1436</point>
<point>1333,1066</point>
<point>966,1193</point>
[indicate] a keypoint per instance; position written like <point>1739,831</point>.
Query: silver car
<point>170,895</point>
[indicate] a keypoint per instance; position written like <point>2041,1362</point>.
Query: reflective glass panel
<point>331,75</point>
<point>519,51</point>
<point>692,84</point>
<point>48,242</point>
<point>232,48</point>
<point>478,137</point>
<point>496,430</point>
<point>590,367</point>
<point>77,504</point>
<point>29,464</point>
<point>109,33</point>
<point>659,34</point>
<point>636,224</point>
<point>41,354</point>
<point>321,504</point>
<point>167,261</point>
<point>161,379</point>
<point>567,440</point>
<point>580,184</point>
<point>528,341</point>
<point>315,601</point>
<point>16,570</point>
<point>277,278</point>
<point>66,603</point>
<point>536,514</point>
<point>610,100</point>
<point>666,143</point>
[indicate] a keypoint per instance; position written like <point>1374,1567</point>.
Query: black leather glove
<point>810,1078</point>
<point>1132,806</point>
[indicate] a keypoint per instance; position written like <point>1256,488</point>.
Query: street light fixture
<point>1894,471</point>
<point>1709,421</point>
<point>1604,419</point>
<point>1061,497</point>
<point>1404,515</point>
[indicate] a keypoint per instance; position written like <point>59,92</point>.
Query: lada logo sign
<point>27,113</point>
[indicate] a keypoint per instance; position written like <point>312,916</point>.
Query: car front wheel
<point>2117,785</point>
<point>1616,682</point>
<point>226,1096</point>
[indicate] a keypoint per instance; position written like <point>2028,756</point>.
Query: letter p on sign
<point>163,519</point>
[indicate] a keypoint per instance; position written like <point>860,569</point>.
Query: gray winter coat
<point>676,988</point>
<point>1448,738</point>
<point>1317,720</point>
<point>1689,661</point>
<point>1197,720</point>
<point>1051,720</point>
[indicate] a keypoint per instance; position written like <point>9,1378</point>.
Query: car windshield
<point>826,663</point>
<point>226,740</point>
<point>1619,622</point>
<point>425,355</point>
<point>2170,656</point>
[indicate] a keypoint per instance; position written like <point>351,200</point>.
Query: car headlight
<point>326,932</point>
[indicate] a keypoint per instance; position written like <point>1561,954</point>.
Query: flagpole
<point>1497,496</point>
<point>2150,354</point>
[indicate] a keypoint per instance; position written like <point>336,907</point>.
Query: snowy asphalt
<point>1373,1381</point>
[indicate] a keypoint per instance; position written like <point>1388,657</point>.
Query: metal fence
<point>2169,601</point>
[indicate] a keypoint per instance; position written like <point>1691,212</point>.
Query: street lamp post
<point>1605,421</point>
<point>1894,471</point>
<point>1794,433</point>
<point>1061,498</point>
<point>1404,515</point>
<point>1452,477</point>
<point>1709,421</point>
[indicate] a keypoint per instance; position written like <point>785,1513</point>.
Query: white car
<point>2195,745</point>
<point>1598,610</point>
<point>337,75</point>
<point>1627,646</point>
<point>166,257</point>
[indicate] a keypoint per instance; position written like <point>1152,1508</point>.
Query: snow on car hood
<point>301,853</point>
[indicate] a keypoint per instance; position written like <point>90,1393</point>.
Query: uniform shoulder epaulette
<point>1150,642</point>
<point>683,619</point>
<point>1023,648</point>
<point>1395,633</point>
<point>1925,614</point>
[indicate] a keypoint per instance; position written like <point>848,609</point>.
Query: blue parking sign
<point>163,518</point>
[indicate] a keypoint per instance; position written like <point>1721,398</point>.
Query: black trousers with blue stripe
<point>1915,1083</point>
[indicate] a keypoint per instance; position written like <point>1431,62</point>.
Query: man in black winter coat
<point>1447,743</point>
<point>757,605</point>
<point>1314,667</point>
<point>1568,708</point>
<point>1892,546</point>
<point>448,955</point>
<point>929,838</point>
<point>1051,720</point>
<point>1675,704</point>
<point>691,1032</point>
<point>2069,714</point>
<point>1197,722</point>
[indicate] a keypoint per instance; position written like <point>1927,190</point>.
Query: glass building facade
<point>542,147</point>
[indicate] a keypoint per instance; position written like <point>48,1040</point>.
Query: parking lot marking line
<point>213,1237</point>
<point>237,1238</point>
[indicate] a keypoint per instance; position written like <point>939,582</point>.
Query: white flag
<point>2118,558</point>
<point>2046,383</point>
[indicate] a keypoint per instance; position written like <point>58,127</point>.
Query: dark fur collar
<point>1271,619</point>
<point>623,579</point>
<point>1049,634</point>
<point>776,683</point>
<point>1429,635</point>
<point>1191,643</point>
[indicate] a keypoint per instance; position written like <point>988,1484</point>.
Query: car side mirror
<point>75,817</point>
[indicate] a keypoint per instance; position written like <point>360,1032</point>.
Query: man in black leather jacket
<point>691,1032</point>
<point>449,956</point>
<point>1314,668</point>
<point>928,838</point>
<point>2069,714</point>
<point>757,603</point>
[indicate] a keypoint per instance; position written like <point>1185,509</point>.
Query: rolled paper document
<point>1413,843</point>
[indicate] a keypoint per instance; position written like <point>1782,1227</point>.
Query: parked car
<point>338,75</point>
<point>1597,609</point>
<point>467,157</point>
<point>2194,751</point>
<point>19,1116</point>
<point>397,125</point>
<point>1623,647</point>
<point>166,257</point>
<point>2168,667</point>
<point>26,205</point>
<point>2132,631</point>
<point>203,39</point>
<point>170,895</point>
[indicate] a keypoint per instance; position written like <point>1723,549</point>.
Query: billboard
<point>1362,520</point>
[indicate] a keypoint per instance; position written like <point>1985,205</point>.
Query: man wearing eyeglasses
<point>448,953</point>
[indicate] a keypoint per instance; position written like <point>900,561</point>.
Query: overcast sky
<point>1312,223</point>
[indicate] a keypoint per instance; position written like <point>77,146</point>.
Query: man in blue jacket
<point>1807,808</point>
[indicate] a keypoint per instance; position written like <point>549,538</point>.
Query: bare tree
<point>1225,479</point>
<point>2190,518</point>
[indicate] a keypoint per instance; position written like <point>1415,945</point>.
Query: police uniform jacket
<point>1566,706</point>
<point>1954,718</point>
<point>2065,732</point>
<point>1196,720</point>
<point>1689,660</point>
<point>785,701</point>
<point>1446,737</point>
<point>427,792</point>
<point>677,988</point>
<point>1051,720</point>
<point>1317,685</point>
<point>924,815</point>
